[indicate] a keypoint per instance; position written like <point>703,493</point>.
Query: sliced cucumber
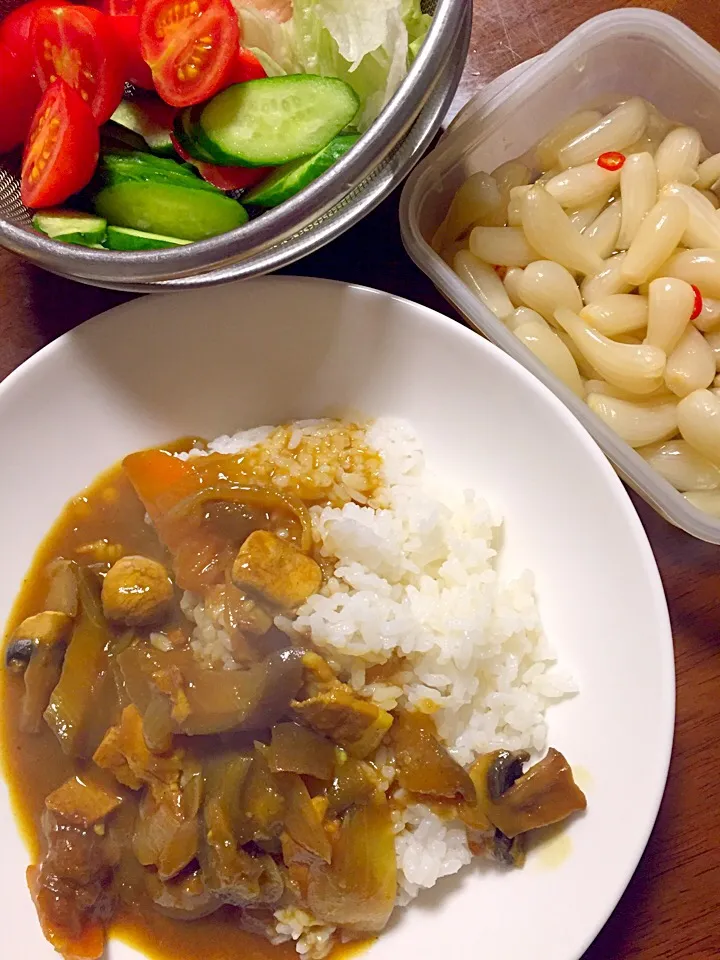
<point>291,178</point>
<point>161,144</point>
<point>169,210</point>
<point>133,166</point>
<point>71,226</point>
<point>124,238</point>
<point>150,119</point>
<point>265,123</point>
<point>183,135</point>
<point>114,137</point>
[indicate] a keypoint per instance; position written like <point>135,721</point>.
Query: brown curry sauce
<point>34,765</point>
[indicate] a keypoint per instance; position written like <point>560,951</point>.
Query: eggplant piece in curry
<point>160,787</point>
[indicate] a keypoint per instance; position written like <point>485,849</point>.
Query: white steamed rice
<point>416,577</point>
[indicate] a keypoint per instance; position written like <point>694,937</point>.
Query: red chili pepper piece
<point>611,160</point>
<point>698,306</point>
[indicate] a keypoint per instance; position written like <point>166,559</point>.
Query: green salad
<point>149,124</point>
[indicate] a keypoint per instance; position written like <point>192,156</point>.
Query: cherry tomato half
<point>127,34</point>
<point>20,96</point>
<point>62,148</point>
<point>191,47</point>
<point>224,178</point>
<point>247,67</point>
<point>77,44</point>
<point>16,29</point>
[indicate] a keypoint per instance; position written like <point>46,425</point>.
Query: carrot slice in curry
<point>162,482</point>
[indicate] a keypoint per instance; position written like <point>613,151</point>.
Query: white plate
<point>277,348</point>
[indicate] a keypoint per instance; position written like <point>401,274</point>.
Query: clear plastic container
<point>614,55</point>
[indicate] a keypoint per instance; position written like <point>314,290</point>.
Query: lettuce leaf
<point>358,29</point>
<point>368,43</point>
<point>417,24</point>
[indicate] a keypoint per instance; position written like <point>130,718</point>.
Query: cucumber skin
<point>220,156</point>
<point>184,136</point>
<point>117,239</point>
<point>79,239</point>
<point>169,210</point>
<point>117,168</point>
<point>216,155</point>
<point>161,145</point>
<point>116,137</point>
<point>272,191</point>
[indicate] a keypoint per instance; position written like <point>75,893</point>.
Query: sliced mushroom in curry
<point>184,792</point>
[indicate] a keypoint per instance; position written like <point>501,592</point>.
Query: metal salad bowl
<point>334,202</point>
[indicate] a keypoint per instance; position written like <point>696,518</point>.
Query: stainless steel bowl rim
<point>274,226</point>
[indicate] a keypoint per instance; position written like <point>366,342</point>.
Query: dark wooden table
<point>671,908</point>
